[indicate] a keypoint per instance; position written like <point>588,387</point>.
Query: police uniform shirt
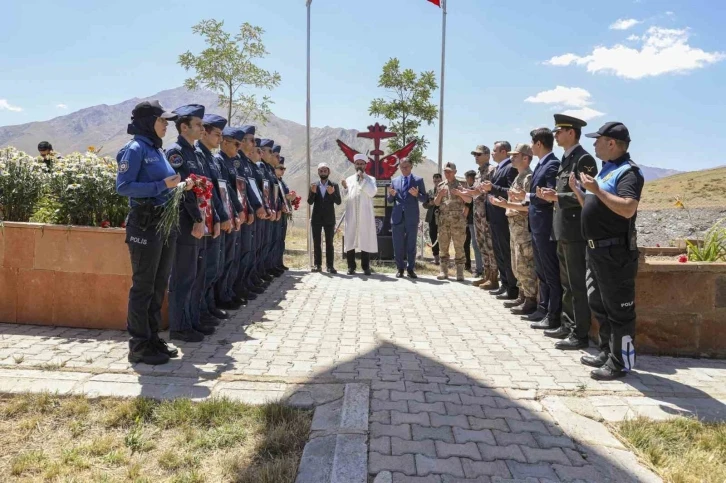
<point>142,169</point>
<point>248,170</point>
<point>220,212</point>
<point>229,167</point>
<point>622,178</point>
<point>269,175</point>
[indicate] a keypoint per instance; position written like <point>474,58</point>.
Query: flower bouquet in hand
<point>295,201</point>
<point>202,188</point>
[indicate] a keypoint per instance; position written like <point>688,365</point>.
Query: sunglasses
<point>281,169</point>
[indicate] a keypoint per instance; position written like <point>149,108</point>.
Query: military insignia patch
<point>123,166</point>
<point>236,164</point>
<point>176,160</point>
<point>589,169</point>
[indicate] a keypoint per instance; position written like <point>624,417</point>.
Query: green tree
<point>408,106</point>
<point>227,67</point>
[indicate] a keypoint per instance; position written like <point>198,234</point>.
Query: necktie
<point>405,185</point>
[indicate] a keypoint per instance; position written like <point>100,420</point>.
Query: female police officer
<point>146,177</point>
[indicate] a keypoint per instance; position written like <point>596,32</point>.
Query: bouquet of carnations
<point>202,188</point>
<point>296,201</point>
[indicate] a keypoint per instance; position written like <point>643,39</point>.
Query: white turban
<point>323,165</point>
<point>360,157</point>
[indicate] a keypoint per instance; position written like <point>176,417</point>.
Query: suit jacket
<point>540,211</point>
<point>324,208</point>
<point>502,180</point>
<point>403,202</point>
<point>431,209</point>
<point>567,210</point>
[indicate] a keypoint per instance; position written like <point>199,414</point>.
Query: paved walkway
<point>459,389</point>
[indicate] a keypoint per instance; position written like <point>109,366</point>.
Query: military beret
<point>563,121</point>
<point>233,132</point>
<point>267,143</point>
<point>151,109</point>
<point>248,129</point>
<point>190,110</point>
<point>44,146</point>
<point>276,148</point>
<point>613,130</point>
<point>214,120</point>
<point>257,142</point>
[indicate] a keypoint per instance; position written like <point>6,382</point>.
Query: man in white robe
<point>360,222</point>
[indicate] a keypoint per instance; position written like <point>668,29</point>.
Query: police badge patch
<point>123,166</point>
<point>236,163</point>
<point>176,160</point>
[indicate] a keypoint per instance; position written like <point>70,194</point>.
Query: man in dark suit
<point>546,263</point>
<point>405,192</point>
<point>323,195</point>
<point>497,219</point>
<point>576,316</point>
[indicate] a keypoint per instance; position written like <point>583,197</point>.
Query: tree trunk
<point>229,106</point>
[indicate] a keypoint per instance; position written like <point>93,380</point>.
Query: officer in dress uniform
<point>609,209</point>
<point>267,164</point>
<point>247,282</point>
<point>187,274</point>
<point>228,159</point>
<point>576,316</point>
<point>211,139</point>
<point>261,234</point>
<point>146,178</point>
<point>280,172</point>
<point>282,205</point>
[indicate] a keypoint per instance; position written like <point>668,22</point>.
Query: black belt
<point>607,242</point>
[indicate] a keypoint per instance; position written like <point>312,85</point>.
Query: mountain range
<point>104,127</point>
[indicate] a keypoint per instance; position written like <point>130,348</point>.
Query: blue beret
<point>276,148</point>
<point>233,132</point>
<point>214,120</point>
<point>192,110</point>
<point>257,142</point>
<point>281,161</point>
<point>248,129</point>
<point>267,143</point>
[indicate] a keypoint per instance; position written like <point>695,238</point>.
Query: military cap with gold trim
<point>563,121</point>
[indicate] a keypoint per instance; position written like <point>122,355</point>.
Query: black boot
<point>164,348</point>
<point>502,289</point>
<point>148,354</point>
<point>190,335</point>
<point>536,316</point>
<point>219,313</point>
<point>546,323</point>
<point>229,305</point>
<point>205,329</point>
<point>572,343</point>
<point>527,308</point>
<point>561,332</point>
<point>595,361</point>
<point>607,373</point>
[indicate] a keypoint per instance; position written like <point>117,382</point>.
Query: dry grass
<point>682,450</point>
<point>697,189</point>
<point>50,438</point>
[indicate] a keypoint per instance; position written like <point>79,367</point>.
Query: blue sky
<point>663,76</point>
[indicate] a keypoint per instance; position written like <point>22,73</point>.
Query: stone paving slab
<point>457,388</point>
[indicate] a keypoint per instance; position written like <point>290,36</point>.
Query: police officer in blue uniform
<point>547,265</point>
<point>146,178</point>
<point>247,282</point>
<point>211,139</point>
<point>609,209</point>
<point>185,286</point>
<point>229,160</point>
<point>262,237</point>
<point>280,172</point>
<point>273,227</point>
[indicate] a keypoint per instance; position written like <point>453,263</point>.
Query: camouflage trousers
<point>452,228</point>
<point>523,257</point>
<point>484,240</point>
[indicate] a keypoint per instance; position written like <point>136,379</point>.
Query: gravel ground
<point>663,226</point>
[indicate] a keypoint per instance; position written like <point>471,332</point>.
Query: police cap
<point>248,129</point>
<point>276,148</point>
<point>613,130</point>
<point>257,142</point>
<point>563,121</point>
<point>190,110</point>
<point>281,162</point>
<point>267,143</point>
<point>214,121</point>
<point>235,133</point>
<point>151,109</point>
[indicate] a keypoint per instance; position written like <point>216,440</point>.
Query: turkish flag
<point>436,2</point>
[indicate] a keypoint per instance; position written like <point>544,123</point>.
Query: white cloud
<point>5,106</point>
<point>663,51</point>
<point>633,38</point>
<point>568,96</point>
<point>624,24</point>
<point>586,113</point>
<point>61,106</point>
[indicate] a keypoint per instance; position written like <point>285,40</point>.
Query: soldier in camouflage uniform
<point>451,201</point>
<point>521,238</point>
<point>481,226</point>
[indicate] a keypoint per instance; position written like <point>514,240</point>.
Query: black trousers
<point>467,249</point>
<point>547,267</point>
<point>434,235</point>
<point>365,260</point>
<point>610,280</point>
<point>151,261</point>
<point>503,254</point>
<point>317,245</point>
<point>576,313</point>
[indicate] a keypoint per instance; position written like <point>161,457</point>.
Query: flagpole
<point>443,67</point>
<point>307,226</point>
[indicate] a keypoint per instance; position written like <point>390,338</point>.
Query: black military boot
<point>536,316</point>
<point>595,361</point>
<point>190,335</point>
<point>560,332</point>
<point>148,354</point>
<point>502,289</point>
<point>607,373</point>
<point>219,313</point>
<point>572,343</point>
<point>546,323</point>
<point>165,348</point>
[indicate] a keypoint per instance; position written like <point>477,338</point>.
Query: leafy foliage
<point>408,106</point>
<point>227,67</point>
<point>713,248</point>
<point>21,185</point>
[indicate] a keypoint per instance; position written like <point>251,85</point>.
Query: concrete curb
<point>337,451</point>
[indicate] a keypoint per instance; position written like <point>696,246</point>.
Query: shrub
<point>21,185</point>
<point>713,248</point>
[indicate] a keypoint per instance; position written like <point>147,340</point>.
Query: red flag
<point>436,2</point>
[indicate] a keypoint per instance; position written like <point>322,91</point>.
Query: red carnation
<point>123,224</point>
<point>105,224</point>
<point>683,259</point>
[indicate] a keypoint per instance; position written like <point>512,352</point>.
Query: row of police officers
<point>229,243</point>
